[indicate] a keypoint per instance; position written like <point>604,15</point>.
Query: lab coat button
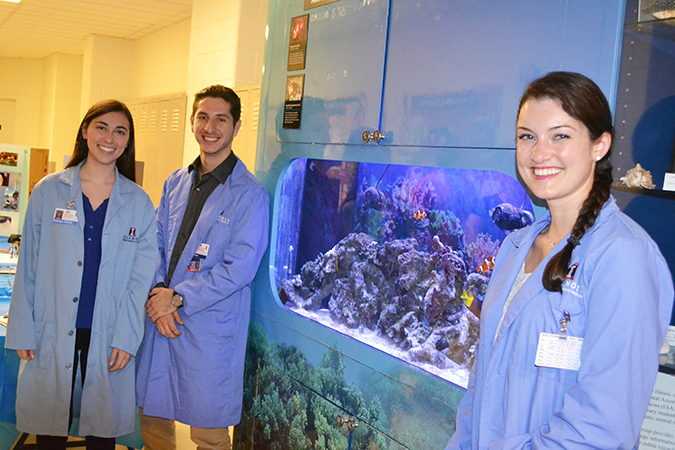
<point>75,300</point>
<point>79,263</point>
<point>69,366</point>
<point>70,333</point>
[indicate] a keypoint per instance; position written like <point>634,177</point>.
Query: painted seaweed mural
<point>398,257</point>
<point>289,404</point>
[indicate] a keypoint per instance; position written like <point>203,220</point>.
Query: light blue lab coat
<point>44,306</point>
<point>197,378</point>
<point>619,300</point>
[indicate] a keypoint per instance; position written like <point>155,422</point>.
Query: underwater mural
<point>292,404</point>
<point>398,257</point>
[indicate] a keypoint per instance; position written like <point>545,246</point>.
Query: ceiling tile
<point>38,28</point>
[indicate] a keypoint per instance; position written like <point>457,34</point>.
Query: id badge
<point>195,264</point>
<point>559,351</point>
<point>203,251</point>
<point>65,216</point>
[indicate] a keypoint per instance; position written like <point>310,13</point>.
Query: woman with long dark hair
<point>88,254</point>
<point>579,302</point>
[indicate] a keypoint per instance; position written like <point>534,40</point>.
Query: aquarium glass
<point>398,257</point>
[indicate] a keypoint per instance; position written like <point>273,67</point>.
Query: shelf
<point>670,195</point>
<point>664,29</point>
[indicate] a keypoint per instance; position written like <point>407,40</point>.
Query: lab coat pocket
<point>44,353</point>
<point>218,238</point>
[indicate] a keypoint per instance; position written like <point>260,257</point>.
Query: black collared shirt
<point>202,187</point>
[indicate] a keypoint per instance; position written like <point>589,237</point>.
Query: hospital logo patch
<point>570,286</point>
<point>572,271</point>
<point>131,237</point>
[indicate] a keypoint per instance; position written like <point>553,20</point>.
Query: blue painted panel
<point>455,71</point>
<point>343,70</point>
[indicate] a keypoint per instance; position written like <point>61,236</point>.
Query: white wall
<point>60,105</point>
<point>161,61</point>
<point>226,47</point>
<point>22,81</point>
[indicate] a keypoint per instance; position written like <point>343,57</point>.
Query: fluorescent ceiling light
<point>11,1</point>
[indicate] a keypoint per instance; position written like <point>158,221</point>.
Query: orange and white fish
<point>419,215</point>
<point>487,265</point>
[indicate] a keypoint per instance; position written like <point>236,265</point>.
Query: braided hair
<point>582,100</point>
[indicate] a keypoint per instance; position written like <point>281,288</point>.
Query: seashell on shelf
<point>637,177</point>
<point>662,15</point>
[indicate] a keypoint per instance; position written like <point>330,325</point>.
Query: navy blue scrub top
<point>93,230</point>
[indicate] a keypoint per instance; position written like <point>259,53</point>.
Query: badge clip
<point>70,204</point>
<point>564,321</point>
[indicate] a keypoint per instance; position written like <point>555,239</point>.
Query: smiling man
<point>212,226</point>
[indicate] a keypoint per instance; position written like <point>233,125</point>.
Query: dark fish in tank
<point>420,215</point>
<point>508,217</point>
<point>374,198</point>
<point>487,265</point>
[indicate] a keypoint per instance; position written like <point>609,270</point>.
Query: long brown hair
<point>582,100</point>
<point>126,163</point>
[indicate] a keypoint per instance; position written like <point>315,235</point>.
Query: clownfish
<point>487,265</point>
<point>420,215</point>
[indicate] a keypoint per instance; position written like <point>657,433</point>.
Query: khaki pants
<point>160,434</point>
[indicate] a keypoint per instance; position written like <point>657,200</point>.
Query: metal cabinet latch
<point>376,136</point>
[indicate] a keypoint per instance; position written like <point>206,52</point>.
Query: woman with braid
<point>578,303</point>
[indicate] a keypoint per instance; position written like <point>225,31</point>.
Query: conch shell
<point>637,177</point>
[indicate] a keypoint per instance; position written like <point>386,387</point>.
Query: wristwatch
<point>177,300</point>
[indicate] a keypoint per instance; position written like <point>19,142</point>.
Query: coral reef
<point>408,295</point>
<point>637,177</point>
<point>482,248</point>
<point>409,212</point>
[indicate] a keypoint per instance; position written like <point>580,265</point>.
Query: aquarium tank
<point>398,257</point>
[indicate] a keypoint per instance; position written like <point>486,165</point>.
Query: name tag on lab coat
<point>558,351</point>
<point>67,216</point>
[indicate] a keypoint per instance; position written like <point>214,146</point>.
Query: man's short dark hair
<point>220,91</point>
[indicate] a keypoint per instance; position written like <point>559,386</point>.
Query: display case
<point>389,254</point>
<point>655,10</point>
<point>645,134</point>
<point>645,120</point>
<point>14,170</point>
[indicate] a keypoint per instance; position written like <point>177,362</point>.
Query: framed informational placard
<point>297,45</point>
<point>309,4</point>
<point>293,104</point>
<point>658,428</point>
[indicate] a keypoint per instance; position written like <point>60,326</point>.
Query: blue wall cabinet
<point>368,66</point>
